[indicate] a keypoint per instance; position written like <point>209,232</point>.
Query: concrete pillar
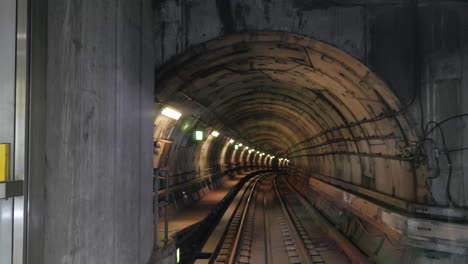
<point>93,200</point>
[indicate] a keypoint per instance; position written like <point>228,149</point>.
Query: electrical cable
<point>438,124</point>
<point>459,149</point>
<point>416,92</point>
<point>415,154</point>
<point>427,131</point>
<point>449,161</point>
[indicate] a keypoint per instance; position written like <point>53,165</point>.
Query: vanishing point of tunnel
<point>233,131</point>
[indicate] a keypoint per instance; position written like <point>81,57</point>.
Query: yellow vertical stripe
<point>4,162</point>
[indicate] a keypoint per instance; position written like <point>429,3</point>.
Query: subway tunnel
<point>167,131</point>
<point>296,98</point>
<point>301,100</point>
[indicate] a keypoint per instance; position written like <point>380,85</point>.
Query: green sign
<point>199,135</point>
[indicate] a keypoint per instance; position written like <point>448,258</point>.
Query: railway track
<point>269,225</point>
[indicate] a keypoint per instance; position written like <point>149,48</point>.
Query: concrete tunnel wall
<point>402,42</point>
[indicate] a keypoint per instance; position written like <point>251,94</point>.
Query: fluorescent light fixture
<point>199,135</point>
<point>236,147</point>
<point>215,133</point>
<point>231,141</point>
<point>246,147</point>
<point>240,144</point>
<point>178,255</point>
<point>169,112</point>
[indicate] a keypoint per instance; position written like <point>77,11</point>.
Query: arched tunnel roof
<point>290,95</point>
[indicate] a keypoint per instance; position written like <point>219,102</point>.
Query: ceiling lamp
<point>169,112</point>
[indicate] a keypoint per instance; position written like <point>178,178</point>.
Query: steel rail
<point>266,233</point>
<point>350,250</point>
<point>297,238</point>
<point>237,241</point>
<point>249,183</point>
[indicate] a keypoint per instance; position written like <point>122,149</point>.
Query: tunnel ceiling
<point>276,89</point>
